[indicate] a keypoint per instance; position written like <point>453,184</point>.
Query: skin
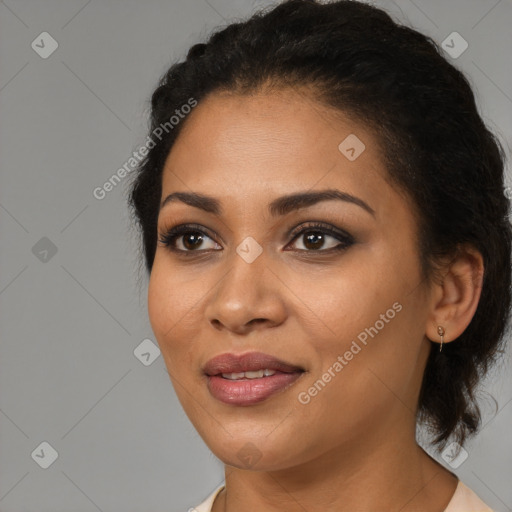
<point>352,447</point>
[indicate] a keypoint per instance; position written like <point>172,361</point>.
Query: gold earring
<point>440,331</point>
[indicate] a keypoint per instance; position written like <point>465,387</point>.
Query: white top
<point>463,500</point>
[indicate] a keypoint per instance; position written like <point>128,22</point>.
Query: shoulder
<point>206,505</point>
<point>466,500</point>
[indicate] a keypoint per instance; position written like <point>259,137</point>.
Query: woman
<point>326,232</point>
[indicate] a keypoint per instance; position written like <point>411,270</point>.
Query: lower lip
<point>249,391</point>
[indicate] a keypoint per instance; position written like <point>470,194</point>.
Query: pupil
<point>315,239</point>
<point>197,239</point>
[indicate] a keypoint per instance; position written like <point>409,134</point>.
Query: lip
<point>250,361</point>
<point>244,392</point>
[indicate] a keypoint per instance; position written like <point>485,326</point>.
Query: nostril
<point>257,320</point>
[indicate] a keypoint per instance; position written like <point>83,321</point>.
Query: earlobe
<point>456,296</point>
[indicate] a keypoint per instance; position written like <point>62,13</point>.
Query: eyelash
<point>169,237</point>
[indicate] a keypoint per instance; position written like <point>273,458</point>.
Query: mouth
<point>249,378</point>
<point>250,363</point>
<point>258,374</point>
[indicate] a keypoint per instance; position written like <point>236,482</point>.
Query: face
<point>330,285</point>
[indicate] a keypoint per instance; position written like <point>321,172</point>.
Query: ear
<point>455,295</point>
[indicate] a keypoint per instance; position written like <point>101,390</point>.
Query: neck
<point>396,475</point>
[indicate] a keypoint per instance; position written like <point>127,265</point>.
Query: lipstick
<point>248,378</point>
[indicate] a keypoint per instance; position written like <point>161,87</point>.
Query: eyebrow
<point>280,206</point>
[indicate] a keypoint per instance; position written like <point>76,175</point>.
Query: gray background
<point>71,321</point>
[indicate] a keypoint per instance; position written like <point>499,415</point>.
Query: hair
<point>355,59</point>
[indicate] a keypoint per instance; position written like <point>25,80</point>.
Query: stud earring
<point>440,331</point>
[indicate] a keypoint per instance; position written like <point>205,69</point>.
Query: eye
<point>187,238</point>
<point>315,236</point>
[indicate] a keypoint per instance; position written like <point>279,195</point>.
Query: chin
<point>258,453</point>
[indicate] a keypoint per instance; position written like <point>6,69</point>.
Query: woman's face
<point>345,309</point>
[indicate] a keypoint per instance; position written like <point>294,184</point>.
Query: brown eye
<point>320,238</point>
<point>185,238</point>
<point>192,240</point>
<point>314,240</point>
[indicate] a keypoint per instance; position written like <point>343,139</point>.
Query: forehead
<point>243,145</point>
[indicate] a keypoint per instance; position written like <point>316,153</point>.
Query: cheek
<point>367,314</point>
<point>380,359</point>
<point>341,301</point>
<point>357,384</point>
<point>170,311</point>
<point>159,302</point>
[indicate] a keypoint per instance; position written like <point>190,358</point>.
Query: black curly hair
<point>354,58</point>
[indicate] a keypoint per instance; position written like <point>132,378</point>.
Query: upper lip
<point>250,361</point>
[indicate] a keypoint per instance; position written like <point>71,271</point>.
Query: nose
<point>249,296</point>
